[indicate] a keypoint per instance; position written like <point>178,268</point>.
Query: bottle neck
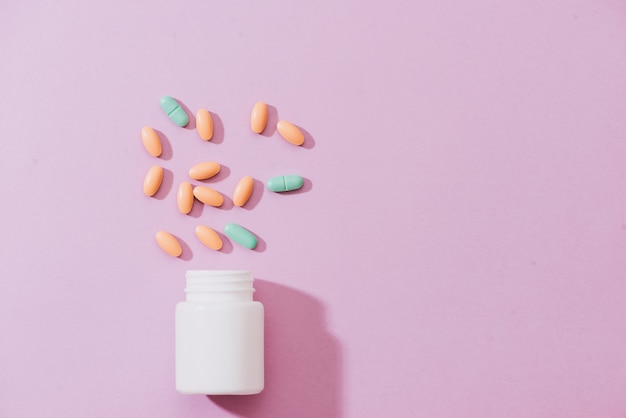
<point>219,286</point>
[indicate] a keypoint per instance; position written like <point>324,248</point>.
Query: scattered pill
<point>241,235</point>
<point>174,111</point>
<point>243,191</point>
<point>285,183</point>
<point>290,132</point>
<point>153,180</point>
<point>205,170</point>
<point>258,119</point>
<point>208,196</point>
<point>169,243</point>
<point>151,141</point>
<point>184,198</point>
<point>209,237</point>
<point>204,124</point>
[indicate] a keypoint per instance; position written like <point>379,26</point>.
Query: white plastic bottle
<point>219,335</point>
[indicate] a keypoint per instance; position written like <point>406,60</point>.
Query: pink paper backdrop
<point>458,249</point>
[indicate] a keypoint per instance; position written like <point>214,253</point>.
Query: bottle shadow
<point>302,360</point>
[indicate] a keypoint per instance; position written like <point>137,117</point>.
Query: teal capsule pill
<point>174,111</point>
<point>285,183</point>
<point>241,235</point>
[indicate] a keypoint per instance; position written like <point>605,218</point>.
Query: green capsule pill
<point>241,235</point>
<point>173,110</point>
<point>285,183</point>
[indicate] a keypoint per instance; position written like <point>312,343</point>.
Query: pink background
<point>457,251</point>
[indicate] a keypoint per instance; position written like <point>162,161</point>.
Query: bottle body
<point>219,337</point>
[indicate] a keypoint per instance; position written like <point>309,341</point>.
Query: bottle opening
<point>219,285</point>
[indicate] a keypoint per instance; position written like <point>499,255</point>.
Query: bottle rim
<point>220,273</point>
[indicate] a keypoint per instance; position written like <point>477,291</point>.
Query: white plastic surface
<point>219,342</point>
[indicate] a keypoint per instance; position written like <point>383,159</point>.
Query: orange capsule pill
<point>208,196</point>
<point>258,118</point>
<point>243,191</point>
<point>151,141</point>
<point>205,170</point>
<point>290,132</point>
<point>209,237</point>
<point>169,243</point>
<point>153,180</point>
<point>184,198</point>
<point>204,124</point>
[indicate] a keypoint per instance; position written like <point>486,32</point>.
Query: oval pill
<point>243,191</point>
<point>205,170</point>
<point>285,183</point>
<point>209,237</point>
<point>174,111</point>
<point>184,198</point>
<point>290,132</point>
<point>208,196</point>
<point>241,235</point>
<point>151,141</point>
<point>169,243</point>
<point>153,180</point>
<point>204,124</point>
<point>258,118</point>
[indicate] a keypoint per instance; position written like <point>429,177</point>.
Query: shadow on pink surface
<point>166,185</point>
<point>166,146</point>
<point>218,129</point>
<point>272,120</point>
<point>302,360</point>
<point>309,142</point>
